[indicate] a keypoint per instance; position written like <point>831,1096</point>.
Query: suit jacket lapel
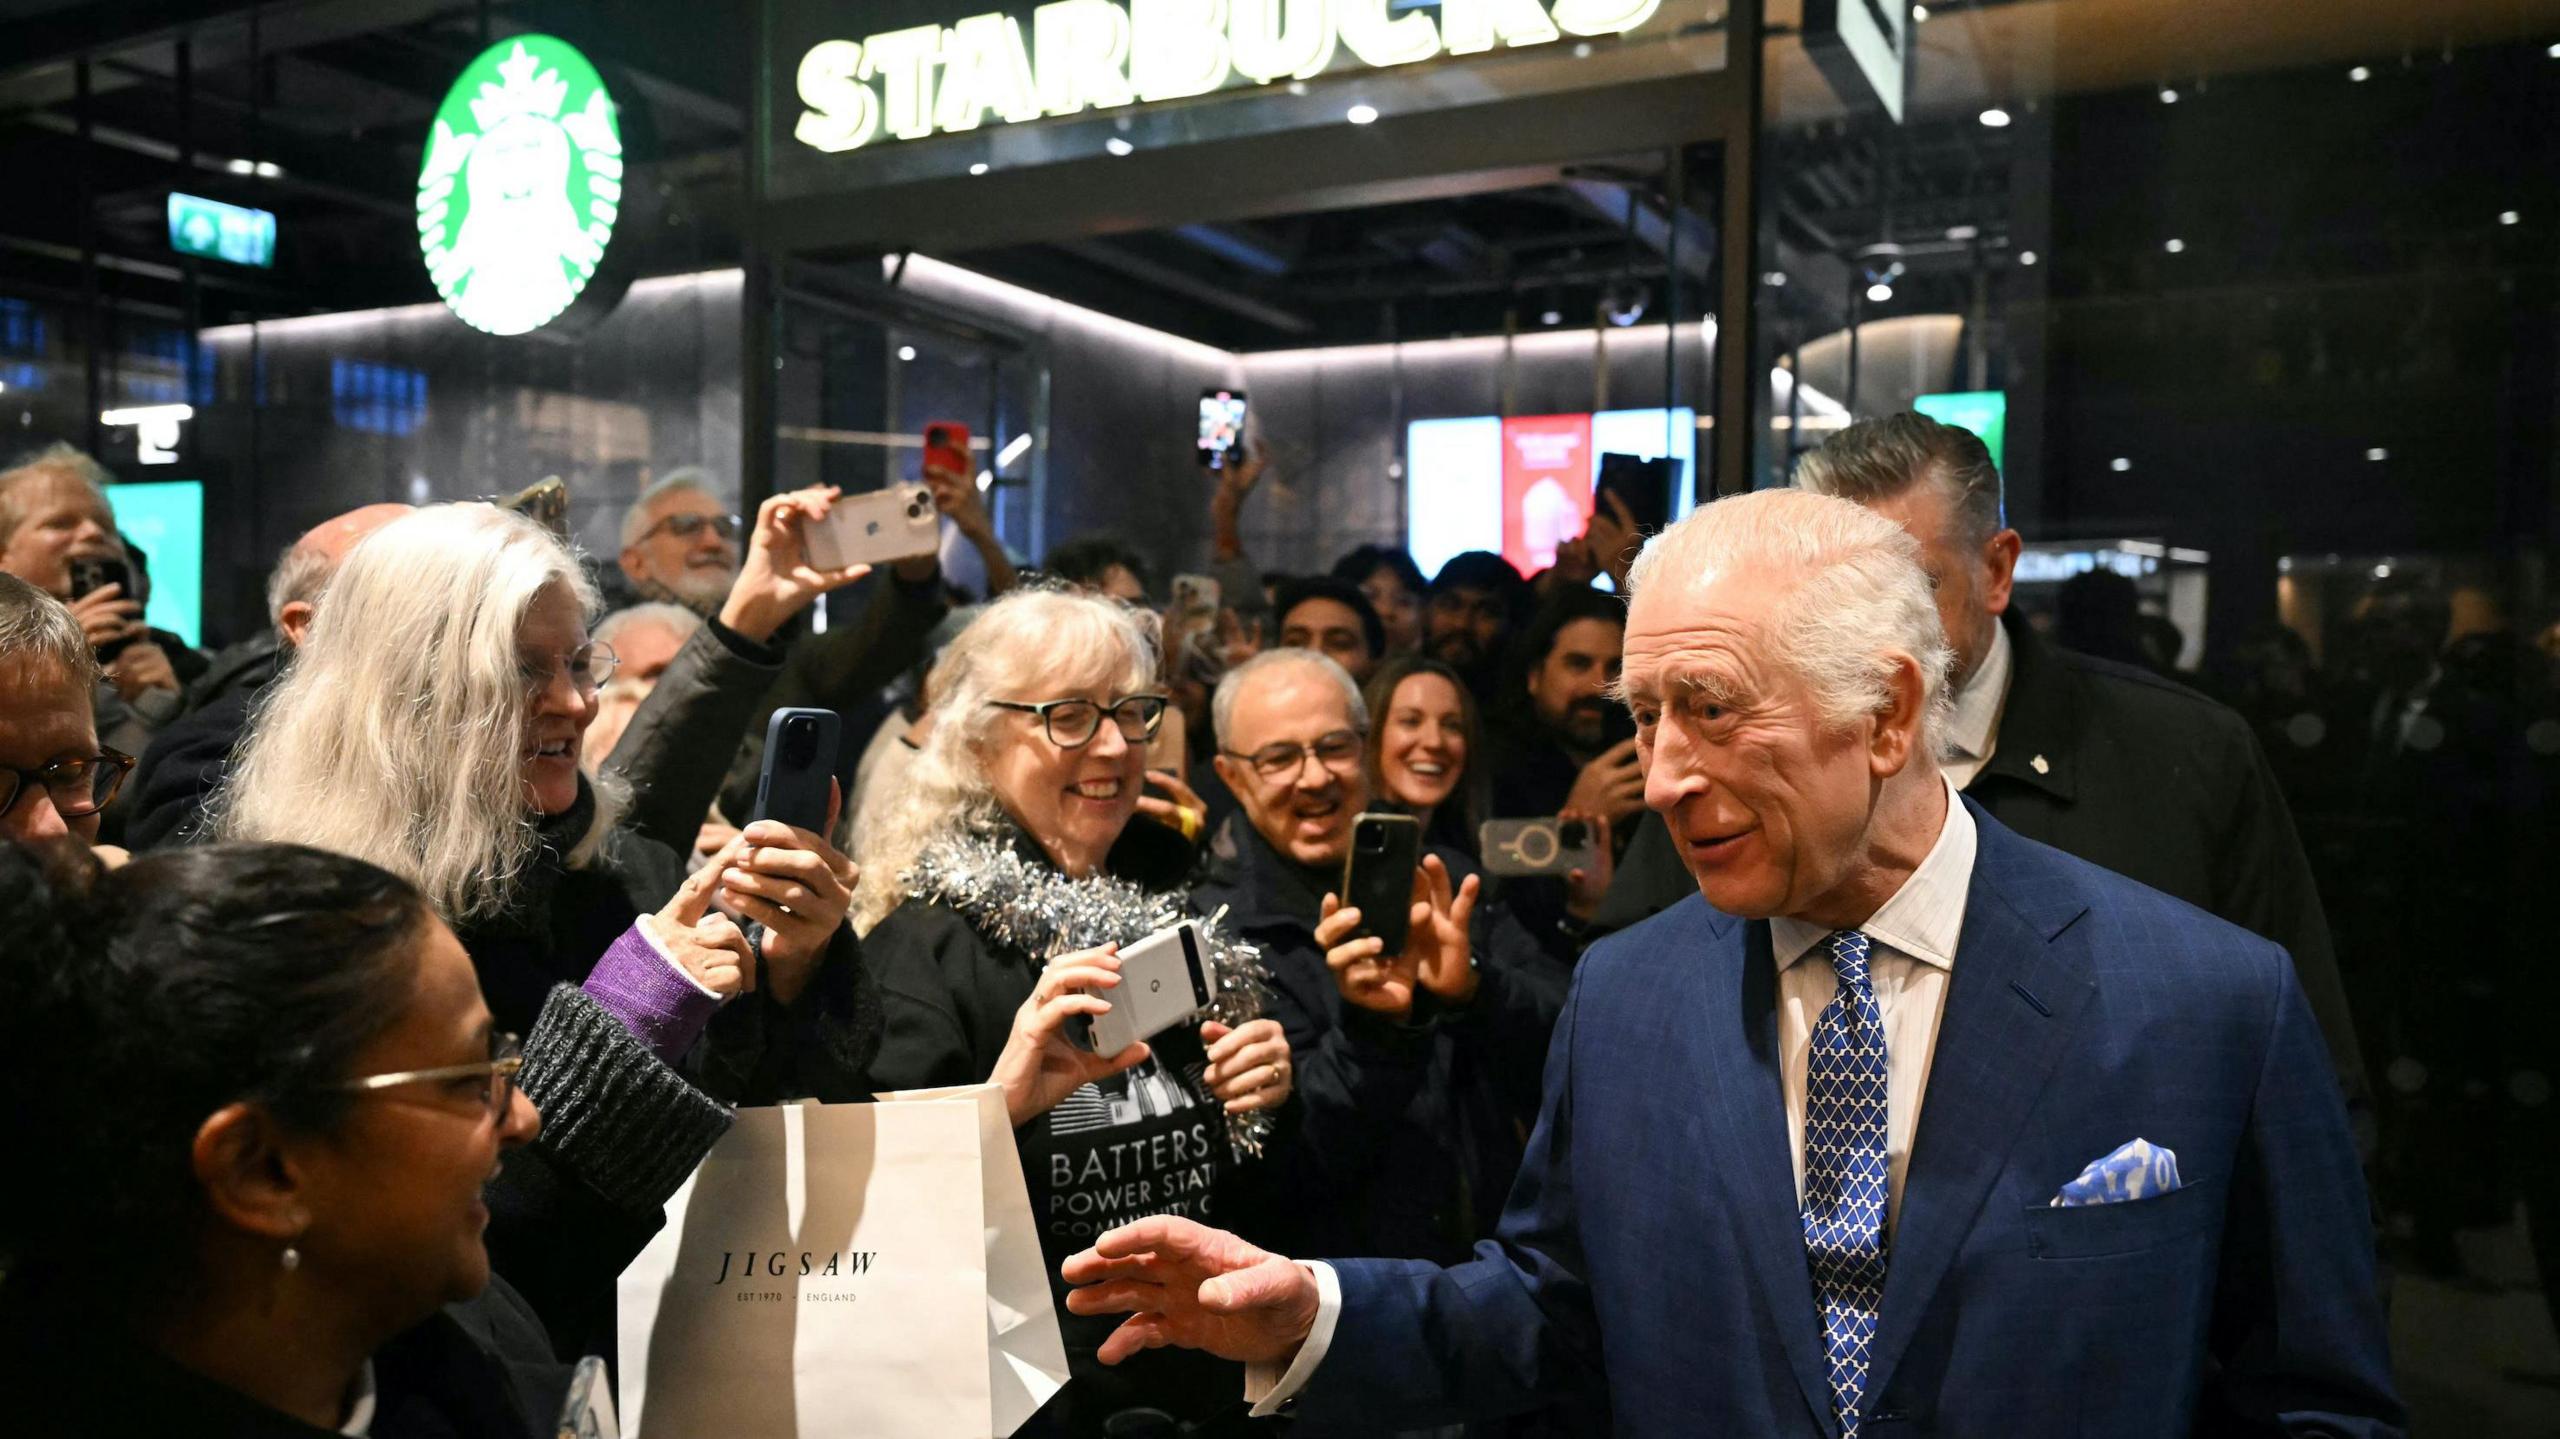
<point>2013,1001</point>
<point>1752,1150</point>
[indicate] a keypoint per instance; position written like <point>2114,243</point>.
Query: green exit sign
<point>216,231</point>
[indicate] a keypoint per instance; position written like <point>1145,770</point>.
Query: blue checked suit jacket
<point>1652,1249</point>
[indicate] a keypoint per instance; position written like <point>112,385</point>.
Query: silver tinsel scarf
<point>1033,908</point>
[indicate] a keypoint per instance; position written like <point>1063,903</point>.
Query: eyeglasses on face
<point>686,527</point>
<point>1339,751</point>
<point>497,1073</point>
<point>1072,724</point>
<point>77,786</point>
<point>590,666</point>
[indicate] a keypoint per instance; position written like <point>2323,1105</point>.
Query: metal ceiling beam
<point>1165,277</point>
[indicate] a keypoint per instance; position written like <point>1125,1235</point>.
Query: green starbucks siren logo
<point>522,182</point>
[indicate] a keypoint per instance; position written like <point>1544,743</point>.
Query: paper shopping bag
<point>846,1269</point>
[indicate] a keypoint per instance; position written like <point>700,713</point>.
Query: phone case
<point>1377,876</point>
<point>799,762</point>
<point>1522,848</point>
<point>875,528</point>
<point>1163,981</point>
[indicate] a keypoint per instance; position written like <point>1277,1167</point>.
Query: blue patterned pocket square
<point>2139,1170</point>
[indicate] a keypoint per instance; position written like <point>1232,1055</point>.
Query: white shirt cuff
<point>649,931</point>
<point>1267,1394</point>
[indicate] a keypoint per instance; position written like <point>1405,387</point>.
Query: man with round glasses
<point>679,544</point>
<point>1415,1070</point>
<point>55,778</point>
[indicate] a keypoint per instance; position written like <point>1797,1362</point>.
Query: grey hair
<point>1222,702</point>
<point>1037,642</point>
<point>675,617</point>
<point>1856,599</point>
<point>1882,459</point>
<point>55,461</point>
<point>37,631</point>
<point>635,520</point>
<point>397,735</point>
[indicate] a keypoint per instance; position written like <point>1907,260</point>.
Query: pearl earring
<point>291,1259</point>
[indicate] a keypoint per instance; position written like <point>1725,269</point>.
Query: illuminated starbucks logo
<point>521,186</point>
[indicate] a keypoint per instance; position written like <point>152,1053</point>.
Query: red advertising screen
<point>1546,486</point>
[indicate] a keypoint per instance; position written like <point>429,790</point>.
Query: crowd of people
<point>444,904</point>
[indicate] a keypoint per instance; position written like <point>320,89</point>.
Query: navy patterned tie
<point>1845,1176</point>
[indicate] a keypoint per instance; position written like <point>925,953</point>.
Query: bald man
<point>184,765</point>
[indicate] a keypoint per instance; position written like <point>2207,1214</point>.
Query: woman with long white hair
<point>430,724</point>
<point>994,925</point>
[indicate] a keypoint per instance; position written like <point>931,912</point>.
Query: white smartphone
<point>1163,982</point>
<point>877,527</point>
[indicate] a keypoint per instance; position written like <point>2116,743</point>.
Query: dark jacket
<point>2136,774</point>
<point>677,748</point>
<point>843,670</point>
<point>186,762</point>
<point>757,1051</point>
<point>1152,1141</point>
<point>1408,1134</point>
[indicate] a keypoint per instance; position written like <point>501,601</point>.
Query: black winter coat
<point>1408,1135</point>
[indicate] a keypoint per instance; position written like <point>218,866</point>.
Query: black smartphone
<point>92,573</point>
<point>799,765</point>
<point>1221,427</point>
<point>1377,876</point>
<point>1645,486</point>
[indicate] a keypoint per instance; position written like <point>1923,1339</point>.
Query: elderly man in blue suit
<point>1908,1125</point>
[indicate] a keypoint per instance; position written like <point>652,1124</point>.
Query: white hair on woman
<point>1035,644</point>
<point>1222,702</point>
<point>399,732</point>
<point>1857,600</point>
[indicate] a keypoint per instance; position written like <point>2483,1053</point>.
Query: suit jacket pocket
<point>2099,1231</point>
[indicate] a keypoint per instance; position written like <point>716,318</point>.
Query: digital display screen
<point>1221,425</point>
<point>1520,486</point>
<point>165,520</point>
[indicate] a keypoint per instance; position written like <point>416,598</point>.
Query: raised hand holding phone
<point>707,945</point>
<point>778,579</point>
<point>1042,1063</point>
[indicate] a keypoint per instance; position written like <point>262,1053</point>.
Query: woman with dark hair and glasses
<point>252,1201</point>
<point>993,925</point>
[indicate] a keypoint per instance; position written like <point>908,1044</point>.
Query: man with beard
<point>1474,606</point>
<point>679,544</point>
<point>1569,754</point>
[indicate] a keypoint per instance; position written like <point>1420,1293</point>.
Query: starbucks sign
<point>521,185</point>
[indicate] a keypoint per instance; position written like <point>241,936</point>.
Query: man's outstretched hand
<point>1185,1284</point>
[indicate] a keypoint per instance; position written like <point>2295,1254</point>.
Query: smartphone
<point>874,528</point>
<point>92,573</point>
<point>1221,427</point>
<point>799,766</point>
<point>1521,848</point>
<point>1195,595</point>
<point>1377,876</point>
<point>946,447</point>
<point>1645,486</point>
<point>1164,980</point>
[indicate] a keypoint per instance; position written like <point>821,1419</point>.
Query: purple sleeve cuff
<point>660,1004</point>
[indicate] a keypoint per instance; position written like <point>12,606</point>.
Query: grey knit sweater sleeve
<point>614,1116</point>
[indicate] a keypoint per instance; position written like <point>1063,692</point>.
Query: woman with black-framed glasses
<point>993,907</point>
<point>279,1118</point>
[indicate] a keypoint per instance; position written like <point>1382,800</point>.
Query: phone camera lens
<point>1574,834</point>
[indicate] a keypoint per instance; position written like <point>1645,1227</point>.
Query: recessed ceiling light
<point>2175,247</point>
<point>2509,217</point>
<point>1919,13</point>
<point>1582,51</point>
<point>1775,279</point>
<point>2360,74</point>
<point>2120,464</point>
<point>2026,257</point>
<point>242,167</point>
<point>1879,292</point>
<point>1963,232</point>
<point>2553,51</point>
<point>1995,117</point>
<point>2377,454</point>
<point>1118,146</point>
<point>1297,87</point>
<point>1361,114</point>
<point>979,168</point>
<point>1551,317</point>
<point>906,352</point>
<point>2168,95</point>
<point>269,170</point>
